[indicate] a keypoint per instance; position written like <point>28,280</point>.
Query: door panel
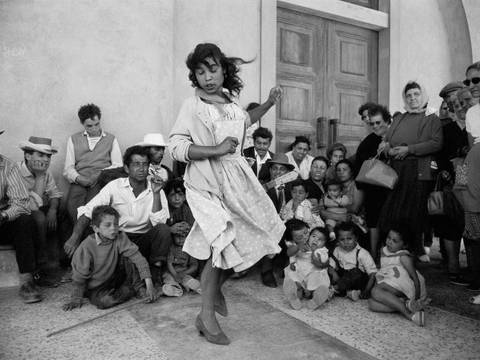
<point>352,72</point>
<point>297,75</point>
<point>327,70</point>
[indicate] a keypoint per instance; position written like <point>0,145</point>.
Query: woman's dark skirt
<point>407,204</point>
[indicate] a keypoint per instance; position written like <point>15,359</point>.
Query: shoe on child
<point>172,290</point>
<point>475,300</point>
<point>354,295</point>
<point>419,318</point>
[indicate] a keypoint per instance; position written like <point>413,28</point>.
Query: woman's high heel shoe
<point>219,339</point>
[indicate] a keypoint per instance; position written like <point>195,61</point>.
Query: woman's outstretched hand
<point>227,146</point>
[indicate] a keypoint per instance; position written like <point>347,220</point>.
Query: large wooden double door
<point>327,69</point>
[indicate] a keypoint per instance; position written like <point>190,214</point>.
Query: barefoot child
<point>352,269</point>
<point>181,267</point>
<point>307,275</point>
<point>107,266</point>
<point>400,287</point>
<point>299,207</point>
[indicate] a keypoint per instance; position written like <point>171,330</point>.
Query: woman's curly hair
<point>230,66</point>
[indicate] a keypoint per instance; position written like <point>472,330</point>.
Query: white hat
<point>155,139</point>
<point>43,145</point>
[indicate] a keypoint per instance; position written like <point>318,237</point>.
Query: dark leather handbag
<point>435,204</point>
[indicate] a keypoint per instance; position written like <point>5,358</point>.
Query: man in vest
<point>88,153</point>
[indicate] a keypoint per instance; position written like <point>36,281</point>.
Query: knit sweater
<point>90,162</point>
<point>422,134</point>
<point>93,263</point>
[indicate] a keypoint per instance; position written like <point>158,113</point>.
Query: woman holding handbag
<point>410,143</point>
<point>449,225</point>
<point>375,196</point>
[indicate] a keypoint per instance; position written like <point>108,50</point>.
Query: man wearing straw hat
<point>44,194</point>
<point>17,226</point>
<point>156,149</point>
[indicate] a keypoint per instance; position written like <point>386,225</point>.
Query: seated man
<point>17,226</point>
<point>279,195</point>
<point>88,152</point>
<point>258,154</point>
<point>142,206</point>
<point>155,145</point>
<point>44,194</point>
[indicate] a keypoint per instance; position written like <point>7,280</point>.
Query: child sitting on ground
<point>352,267</point>
<point>400,287</point>
<point>107,266</point>
<point>180,266</point>
<point>299,207</point>
<point>335,202</point>
<point>307,275</point>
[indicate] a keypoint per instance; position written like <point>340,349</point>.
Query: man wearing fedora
<point>156,144</point>
<point>88,153</point>
<point>280,195</point>
<point>17,226</point>
<point>44,194</point>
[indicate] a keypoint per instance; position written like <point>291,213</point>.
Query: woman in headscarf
<point>410,143</point>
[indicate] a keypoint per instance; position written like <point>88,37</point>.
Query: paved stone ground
<point>261,325</point>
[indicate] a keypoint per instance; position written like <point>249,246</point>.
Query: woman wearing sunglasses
<point>471,203</point>
<point>379,120</point>
<point>411,142</point>
<point>473,79</point>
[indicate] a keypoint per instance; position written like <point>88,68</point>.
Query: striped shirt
<point>50,190</point>
<point>14,199</point>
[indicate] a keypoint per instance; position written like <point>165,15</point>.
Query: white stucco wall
<point>58,55</point>
<point>429,43</point>
<point>128,57</point>
<point>472,11</point>
<point>234,25</point>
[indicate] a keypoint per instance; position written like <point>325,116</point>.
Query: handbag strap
<point>438,182</point>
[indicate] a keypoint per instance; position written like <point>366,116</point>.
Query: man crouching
<point>107,266</point>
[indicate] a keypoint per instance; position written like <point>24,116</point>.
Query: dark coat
<point>272,194</point>
<point>264,174</point>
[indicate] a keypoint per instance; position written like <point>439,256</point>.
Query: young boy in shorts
<point>352,270</point>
